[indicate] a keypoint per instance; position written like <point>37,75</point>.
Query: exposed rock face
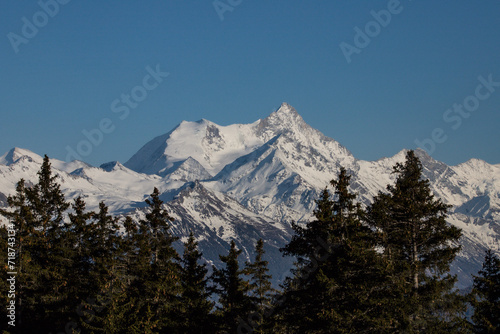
<point>249,181</point>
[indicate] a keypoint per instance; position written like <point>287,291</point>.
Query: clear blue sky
<point>64,78</point>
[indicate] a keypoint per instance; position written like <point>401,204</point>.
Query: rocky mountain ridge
<point>249,181</point>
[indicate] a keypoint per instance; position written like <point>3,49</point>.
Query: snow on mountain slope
<point>212,145</point>
<point>263,175</point>
<point>118,186</point>
<point>477,179</point>
<point>216,219</point>
<point>282,177</point>
<point>215,146</point>
<point>187,171</point>
<point>16,153</point>
<point>267,183</point>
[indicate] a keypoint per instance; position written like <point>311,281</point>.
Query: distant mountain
<point>250,181</point>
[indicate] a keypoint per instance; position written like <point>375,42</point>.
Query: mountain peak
<point>286,111</point>
<point>286,108</point>
<point>17,153</point>
<point>111,166</point>
<point>186,171</point>
<point>285,119</point>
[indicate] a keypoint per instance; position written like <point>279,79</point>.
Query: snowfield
<point>250,181</point>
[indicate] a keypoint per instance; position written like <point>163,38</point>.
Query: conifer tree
<point>337,274</point>
<point>156,285</point>
<point>104,246</point>
<point>45,252</point>
<point>260,289</point>
<point>80,232</point>
<point>195,313</point>
<point>79,235</point>
<point>21,216</point>
<point>108,289</point>
<point>419,247</point>
<point>47,201</point>
<point>126,304</point>
<point>129,250</point>
<point>4,269</point>
<point>486,296</point>
<point>52,248</point>
<point>231,289</point>
<point>394,293</point>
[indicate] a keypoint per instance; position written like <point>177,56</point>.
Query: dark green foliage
<point>52,251</point>
<point>418,247</point>
<point>44,252</point>
<point>260,290</point>
<point>383,270</point>
<point>334,285</point>
<point>82,274</point>
<point>103,247</point>
<point>4,285</point>
<point>21,217</point>
<point>486,296</point>
<point>47,201</point>
<point>195,313</point>
<point>107,288</point>
<point>232,290</point>
<point>156,270</point>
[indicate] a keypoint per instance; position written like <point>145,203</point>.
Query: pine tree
<point>393,288</point>
<point>260,288</point>
<point>20,215</point>
<point>231,289</point>
<point>52,250</point>
<point>47,201</point>
<point>337,274</point>
<point>129,245</point>
<point>80,284</point>
<point>126,304</point>
<point>156,285</point>
<point>104,246</point>
<point>45,252</point>
<point>195,304</point>
<point>4,269</point>
<point>419,247</point>
<point>108,290</point>
<point>486,296</point>
<point>134,262</point>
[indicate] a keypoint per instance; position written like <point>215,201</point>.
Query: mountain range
<point>243,182</point>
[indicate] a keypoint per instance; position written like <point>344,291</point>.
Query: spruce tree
<point>80,283</point>
<point>126,304</point>
<point>20,215</point>
<point>486,296</point>
<point>107,287</point>
<point>260,289</point>
<point>47,201</point>
<point>4,269</point>
<point>104,247</point>
<point>335,284</point>
<point>419,246</point>
<point>394,298</point>
<point>231,288</point>
<point>52,248</point>
<point>156,285</point>
<point>195,313</point>
<point>45,252</point>
<point>133,264</point>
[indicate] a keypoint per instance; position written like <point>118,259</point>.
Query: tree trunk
<point>414,258</point>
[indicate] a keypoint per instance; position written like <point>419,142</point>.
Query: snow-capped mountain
<point>249,181</point>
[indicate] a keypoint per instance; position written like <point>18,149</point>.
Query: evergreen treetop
<point>486,296</point>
